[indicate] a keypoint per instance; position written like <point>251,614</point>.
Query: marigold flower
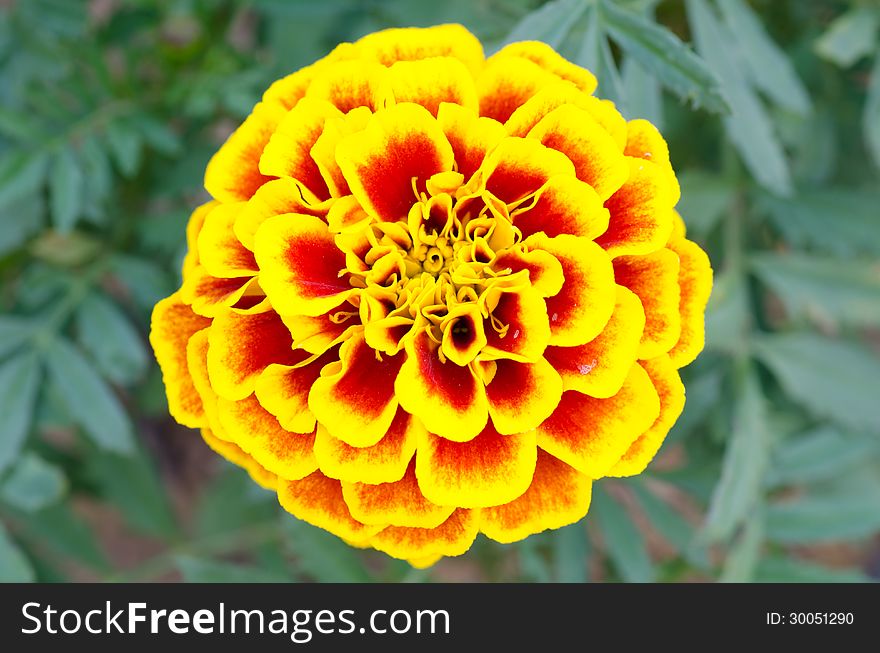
<point>435,294</point>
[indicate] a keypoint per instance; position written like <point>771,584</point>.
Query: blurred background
<point>109,111</point>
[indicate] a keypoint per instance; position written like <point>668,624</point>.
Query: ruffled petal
<point>522,395</point>
<point>518,167</point>
<point>581,309</point>
<point>654,278</point>
<point>429,82</point>
<point>348,85</point>
<point>507,82</point>
<point>197,364</point>
<point>233,173</point>
<point>695,282</point>
<point>399,503</point>
<point>559,495</point>
<point>354,398</point>
<point>422,545</point>
<point>488,470</point>
<point>384,462</point>
<point>643,141</point>
<point>669,387</point>
<point>600,367</point>
<point>318,500</point>
<point>413,43</point>
<point>254,429</point>
<point>242,346</point>
<point>300,265</point>
<point>470,136</point>
<point>291,89</point>
<point>592,434</point>
<point>234,454</point>
<point>545,271</point>
<point>564,205</point>
<point>220,252</point>
<point>324,150</point>
<point>550,60</point>
<point>316,334</point>
<point>210,296</point>
<point>524,326</point>
<point>641,211</point>
<point>596,156</point>
<point>449,399</point>
<point>172,325</point>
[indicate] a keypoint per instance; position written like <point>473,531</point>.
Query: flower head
<point>435,294</point>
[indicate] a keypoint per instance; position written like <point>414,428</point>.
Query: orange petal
<point>596,157</point>
<point>354,398</point>
<point>507,82</point>
<point>254,429</point>
<point>419,545</point>
<point>548,59</point>
<point>300,265</point>
<point>235,455</point>
<point>429,82</point>
<point>208,295</point>
<point>197,364</point>
<point>545,271</point>
<point>470,136</point>
<point>193,229</point>
<point>233,173</point>
<point>668,384</point>
<point>654,278</point>
<point>242,346</point>
<point>348,85</point>
<point>695,281</point>
<point>592,434</point>
<point>384,462</point>
<point>283,390</point>
<point>641,211</point>
<point>324,149</point>
<point>558,496</point>
<point>400,144</point>
<point>173,324</point>
<point>316,334</point>
<point>518,167</point>
<point>488,470</point>
<point>449,399</point>
<point>526,329</point>
<point>643,141</point>
<point>318,500</point>
<point>220,252</point>
<point>522,395</point>
<point>291,89</point>
<point>581,309</point>
<point>399,503</point>
<point>414,43</point>
<point>599,367</point>
<point>564,205</point>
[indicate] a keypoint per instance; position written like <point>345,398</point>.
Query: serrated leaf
<point>743,555</point>
<point>200,570</point>
<point>571,550</point>
<point>595,55</point>
<point>233,503</point>
<point>89,399</point>
<point>671,525</point>
<point>662,53</point>
<point>33,484</point>
<point>746,459</point>
<point>748,125</point>
<point>623,542</point>
<point>58,529</point>
<point>19,384</point>
<point>829,378</point>
<point>822,453</point>
<point>644,98</point>
<point>836,292</point>
<point>871,114</point>
<point>159,136</point>
<point>21,174</point>
<point>705,199</point>
<point>549,23</point>
<point>14,331</point>
<point>66,186</point>
<point>146,281</point>
<point>14,565</point>
<point>779,569</point>
<point>107,335</point>
<point>321,555</point>
<point>125,145</point>
<point>803,219</point>
<point>850,37</point>
<point>769,67</point>
<point>20,221</point>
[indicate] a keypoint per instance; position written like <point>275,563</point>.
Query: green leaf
<point>132,484</point>
<point>727,314</point>
<point>822,453</point>
<point>125,145</point>
<point>146,281</point>
<point>871,115</point>
<point>705,199</point>
<point>571,550</point>
<point>671,525</point>
<point>549,23</point>
<point>850,37</point>
<point>232,504</point>
<point>748,125</point>
<point>33,484</point>
<point>830,378</point>
<point>662,53</point>
<point>61,531</point>
<point>89,399</point>
<point>200,570</point>
<point>106,333</point>
<point>746,460</point>
<point>644,97</point>
<point>803,219</point>
<point>835,292</point>
<point>533,563</point>
<point>21,175</point>
<point>14,332</point>
<point>623,542</point>
<point>19,384</point>
<point>14,565</point>
<point>742,557</point>
<point>322,556</point>
<point>19,221</point>
<point>595,55</point>
<point>769,67</point>
<point>65,190</point>
<point>779,569</point>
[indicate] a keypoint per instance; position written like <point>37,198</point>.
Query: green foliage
<point>108,115</point>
